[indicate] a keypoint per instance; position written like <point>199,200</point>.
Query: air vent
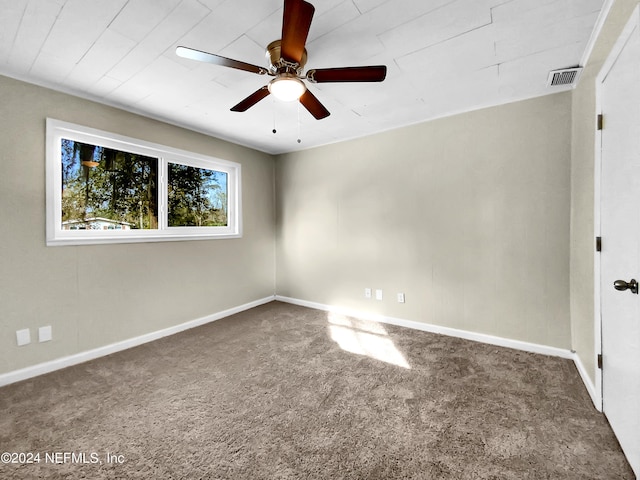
<point>566,76</point>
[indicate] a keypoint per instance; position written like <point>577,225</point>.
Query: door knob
<point>622,285</point>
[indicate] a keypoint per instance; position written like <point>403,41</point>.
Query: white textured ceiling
<point>443,57</point>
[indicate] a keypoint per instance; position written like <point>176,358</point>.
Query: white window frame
<point>57,130</point>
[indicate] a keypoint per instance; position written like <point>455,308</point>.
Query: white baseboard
<point>453,332</point>
<point>426,327</point>
<point>596,398</point>
<point>63,362</point>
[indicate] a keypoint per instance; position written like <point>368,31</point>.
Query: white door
<point>619,94</point>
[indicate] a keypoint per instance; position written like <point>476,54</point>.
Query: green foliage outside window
<point>197,197</point>
<point>122,188</point>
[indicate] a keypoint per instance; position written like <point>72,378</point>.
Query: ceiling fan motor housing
<point>279,64</point>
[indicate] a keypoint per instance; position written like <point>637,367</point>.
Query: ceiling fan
<point>287,58</point>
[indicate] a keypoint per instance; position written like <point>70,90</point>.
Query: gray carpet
<point>285,392</point>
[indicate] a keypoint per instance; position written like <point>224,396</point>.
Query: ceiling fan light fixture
<point>287,87</point>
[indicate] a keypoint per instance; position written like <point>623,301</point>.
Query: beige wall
<point>96,295</point>
<point>467,215</point>
<point>582,194</point>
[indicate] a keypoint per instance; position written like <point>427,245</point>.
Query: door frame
<point>632,24</point>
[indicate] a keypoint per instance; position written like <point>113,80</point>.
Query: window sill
<point>142,237</point>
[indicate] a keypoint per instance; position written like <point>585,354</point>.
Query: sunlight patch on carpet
<point>365,338</point>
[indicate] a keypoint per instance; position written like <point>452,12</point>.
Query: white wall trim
<point>467,335</point>
<point>594,392</point>
<point>63,362</point>
<point>595,33</point>
<point>427,327</point>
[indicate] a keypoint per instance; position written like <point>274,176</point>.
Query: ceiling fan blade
<point>192,54</point>
<point>251,100</point>
<point>375,73</point>
<point>311,103</point>
<point>295,28</point>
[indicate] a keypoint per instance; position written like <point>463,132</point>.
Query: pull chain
<point>274,131</point>
<point>274,116</point>
<point>299,140</point>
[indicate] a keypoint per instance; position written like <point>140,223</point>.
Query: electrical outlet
<point>44,334</point>
<point>367,293</point>
<point>401,298</point>
<point>23,337</point>
<point>378,294</point>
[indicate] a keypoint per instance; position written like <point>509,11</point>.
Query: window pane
<point>197,197</point>
<point>106,189</point>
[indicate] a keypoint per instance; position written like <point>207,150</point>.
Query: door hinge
<point>598,244</point>
<point>600,121</point>
<point>600,361</point>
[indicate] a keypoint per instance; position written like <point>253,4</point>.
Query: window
<point>105,188</point>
